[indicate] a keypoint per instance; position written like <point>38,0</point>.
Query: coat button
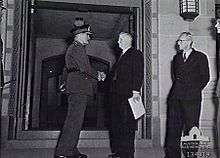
<point>86,78</point>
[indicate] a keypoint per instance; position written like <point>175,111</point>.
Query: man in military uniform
<point>78,87</point>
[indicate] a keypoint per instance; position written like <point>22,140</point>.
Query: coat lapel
<point>190,57</point>
<point>120,61</point>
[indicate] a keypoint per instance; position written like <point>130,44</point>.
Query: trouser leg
<point>218,132</point>
<point>126,155</point>
<point>174,129</point>
<point>113,143</point>
<point>122,133</point>
<point>68,140</point>
<point>115,123</point>
<point>126,143</point>
<point>191,110</point>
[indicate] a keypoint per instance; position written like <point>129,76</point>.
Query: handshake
<point>62,87</point>
<point>101,76</point>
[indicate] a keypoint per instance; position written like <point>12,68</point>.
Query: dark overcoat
<point>128,76</point>
<point>190,77</point>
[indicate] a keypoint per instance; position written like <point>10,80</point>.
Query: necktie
<point>184,57</point>
<point>115,71</point>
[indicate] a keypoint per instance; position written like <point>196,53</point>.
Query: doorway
<point>47,28</point>
<point>50,32</point>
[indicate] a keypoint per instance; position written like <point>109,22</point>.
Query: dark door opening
<point>50,30</point>
<point>47,25</point>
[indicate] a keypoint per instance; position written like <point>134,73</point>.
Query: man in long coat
<point>191,75</point>
<point>126,83</point>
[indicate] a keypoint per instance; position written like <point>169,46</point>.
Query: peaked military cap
<point>80,27</point>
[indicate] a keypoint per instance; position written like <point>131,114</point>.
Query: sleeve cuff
<point>136,92</point>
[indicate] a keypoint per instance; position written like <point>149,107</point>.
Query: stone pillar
<point>2,9</point>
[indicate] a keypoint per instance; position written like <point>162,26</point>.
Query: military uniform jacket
<point>191,76</point>
<point>77,81</point>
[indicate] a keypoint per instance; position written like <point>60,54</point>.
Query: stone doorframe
<point>14,37</point>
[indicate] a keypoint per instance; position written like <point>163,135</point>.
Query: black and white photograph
<point>110,78</point>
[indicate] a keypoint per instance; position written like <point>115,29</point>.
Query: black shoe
<point>78,156</point>
<point>114,155</point>
<point>60,156</point>
<point>81,156</point>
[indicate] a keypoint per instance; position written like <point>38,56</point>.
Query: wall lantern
<point>189,9</point>
<point>2,6</point>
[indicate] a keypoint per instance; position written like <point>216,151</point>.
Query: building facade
<point>156,25</point>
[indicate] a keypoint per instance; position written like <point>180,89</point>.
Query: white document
<point>137,108</point>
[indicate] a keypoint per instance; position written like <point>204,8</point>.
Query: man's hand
<point>62,87</point>
<point>136,97</point>
<point>217,25</point>
<point>101,76</point>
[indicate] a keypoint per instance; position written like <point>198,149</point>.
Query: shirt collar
<point>188,52</point>
<point>125,50</point>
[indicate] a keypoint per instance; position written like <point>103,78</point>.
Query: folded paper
<point>137,108</point>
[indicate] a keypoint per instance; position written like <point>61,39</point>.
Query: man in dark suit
<point>126,83</point>
<point>79,78</point>
<point>191,75</point>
